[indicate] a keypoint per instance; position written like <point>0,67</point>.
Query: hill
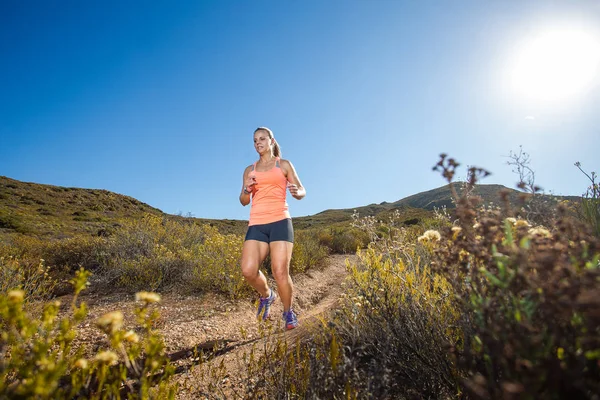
<point>417,205</point>
<point>59,212</point>
<point>442,196</point>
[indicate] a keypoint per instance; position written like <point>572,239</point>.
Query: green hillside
<point>417,205</point>
<point>442,196</point>
<point>59,212</point>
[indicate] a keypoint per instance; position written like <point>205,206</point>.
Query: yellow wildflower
<point>107,357</point>
<point>16,296</point>
<point>539,231</point>
<point>82,363</point>
<point>111,322</point>
<point>456,231</point>
<point>131,337</point>
<point>147,297</point>
<point>430,236</point>
<point>522,222</point>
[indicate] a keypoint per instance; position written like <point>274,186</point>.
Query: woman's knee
<point>250,271</point>
<point>281,273</point>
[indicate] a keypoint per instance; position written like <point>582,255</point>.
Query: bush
<point>388,338</point>
<point>216,267</point>
<point>397,317</point>
<point>488,308</point>
<point>528,298</point>
<point>68,255</point>
<point>12,222</point>
<point>32,278</point>
<point>156,254</point>
<point>343,239</point>
<point>39,361</point>
<point>308,252</point>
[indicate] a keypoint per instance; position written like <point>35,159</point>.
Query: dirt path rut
<point>315,293</point>
<point>220,326</point>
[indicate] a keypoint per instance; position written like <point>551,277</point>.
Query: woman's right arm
<point>247,186</point>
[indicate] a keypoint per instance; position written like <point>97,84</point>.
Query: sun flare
<point>556,65</point>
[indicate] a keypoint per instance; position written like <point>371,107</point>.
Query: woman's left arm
<point>294,185</point>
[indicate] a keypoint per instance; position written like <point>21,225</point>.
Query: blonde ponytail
<point>276,149</point>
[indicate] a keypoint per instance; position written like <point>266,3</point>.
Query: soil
<point>224,327</point>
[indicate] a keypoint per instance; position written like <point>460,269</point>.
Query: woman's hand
<point>295,190</point>
<point>293,182</point>
<point>250,182</point>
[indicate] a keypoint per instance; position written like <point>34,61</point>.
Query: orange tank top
<point>268,197</point>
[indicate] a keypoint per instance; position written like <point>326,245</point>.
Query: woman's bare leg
<point>281,254</point>
<point>254,253</point>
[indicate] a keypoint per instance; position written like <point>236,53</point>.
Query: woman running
<point>270,227</point>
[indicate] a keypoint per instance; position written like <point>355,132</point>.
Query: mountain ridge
<point>57,211</point>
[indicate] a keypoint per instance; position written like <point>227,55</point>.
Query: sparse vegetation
<point>388,339</point>
<point>529,326</point>
<point>487,306</point>
<point>480,301</point>
<point>39,359</point>
<point>308,252</point>
<point>52,212</point>
<point>590,203</point>
<point>32,278</point>
<point>536,207</point>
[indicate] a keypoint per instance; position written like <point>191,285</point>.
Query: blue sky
<point>158,100</point>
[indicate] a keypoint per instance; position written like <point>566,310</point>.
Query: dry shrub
<point>151,253</point>
<point>32,278</point>
<point>145,254</point>
<point>490,307</point>
<point>216,265</point>
<point>68,255</point>
<point>387,339</point>
<point>396,317</point>
<point>308,252</point>
<point>39,360</point>
<point>21,246</point>
<point>158,254</point>
<point>537,207</point>
<point>529,301</point>
<point>325,238</point>
<point>342,239</point>
<point>19,269</point>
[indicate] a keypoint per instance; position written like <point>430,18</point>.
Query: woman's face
<point>262,142</point>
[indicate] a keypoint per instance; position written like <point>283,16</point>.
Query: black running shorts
<point>275,231</point>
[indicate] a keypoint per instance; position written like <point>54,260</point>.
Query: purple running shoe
<point>264,306</point>
<point>290,319</point>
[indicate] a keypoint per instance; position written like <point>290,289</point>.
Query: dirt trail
<point>315,293</point>
<point>213,322</point>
